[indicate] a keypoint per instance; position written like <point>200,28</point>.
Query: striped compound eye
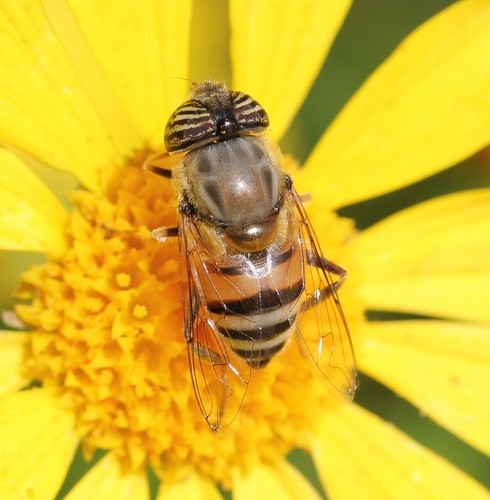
<point>191,125</point>
<point>196,123</point>
<point>250,115</point>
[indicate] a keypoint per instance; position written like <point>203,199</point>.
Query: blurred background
<point>371,32</point>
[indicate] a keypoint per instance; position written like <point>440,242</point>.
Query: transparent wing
<point>322,330</point>
<point>220,378</point>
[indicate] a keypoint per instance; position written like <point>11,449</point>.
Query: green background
<point>372,30</point>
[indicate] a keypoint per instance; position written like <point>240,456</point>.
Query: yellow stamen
<point>107,333</point>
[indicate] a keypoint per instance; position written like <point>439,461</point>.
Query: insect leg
<point>305,198</point>
<point>161,233</point>
<point>317,260</point>
<point>192,326</point>
<point>161,171</point>
<point>322,294</point>
<point>208,355</point>
<point>161,164</point>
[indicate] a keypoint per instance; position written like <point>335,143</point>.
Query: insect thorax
<point>238,184</point>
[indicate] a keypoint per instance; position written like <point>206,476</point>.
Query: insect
<point>252,272</point>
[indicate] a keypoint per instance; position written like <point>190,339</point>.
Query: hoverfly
<point>252,272</point>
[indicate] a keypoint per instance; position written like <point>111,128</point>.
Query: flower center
<point>106,323</point>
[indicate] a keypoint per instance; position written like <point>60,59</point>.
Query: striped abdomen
<point>254,305</point>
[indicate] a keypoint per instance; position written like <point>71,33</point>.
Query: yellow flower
<point>104,364</point>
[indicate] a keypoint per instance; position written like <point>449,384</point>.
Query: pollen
<point>106,331</point>
<point>140,311</point>
<point>123,280</point>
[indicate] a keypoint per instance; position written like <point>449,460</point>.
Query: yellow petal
<point>278,47</point>
<point>105,480</point>
<point>359,455</point>
<point>143,48</point>
<point>282,481</point>
<point>426,108</point>
<point>37,444</point>
<point>443,368</point>
<point>193,486</point>
<point>31,218</point>
<point>13,351</point>
<point>45,109</point>
<point>433,258</point>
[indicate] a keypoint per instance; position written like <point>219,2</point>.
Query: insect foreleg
<point>304,198</point>
<point>161,164</point>
<point>161,233</point>
<point>161,171</point>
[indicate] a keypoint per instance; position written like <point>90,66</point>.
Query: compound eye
<point>190,126</point>
<point>250,115</point>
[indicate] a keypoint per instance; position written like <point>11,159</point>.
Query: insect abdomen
<point>254,314</point>
<point>258,346</point>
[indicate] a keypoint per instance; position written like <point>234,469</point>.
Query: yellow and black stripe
<point>257,323</point>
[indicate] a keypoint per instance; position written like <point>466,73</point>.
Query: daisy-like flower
<point>101,362</point>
